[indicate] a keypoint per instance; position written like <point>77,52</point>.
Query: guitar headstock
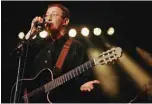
<point>109,56</point>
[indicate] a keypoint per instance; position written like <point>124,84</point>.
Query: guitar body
<point>29,85</point>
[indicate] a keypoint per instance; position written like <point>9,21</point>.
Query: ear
<point>66,21</point>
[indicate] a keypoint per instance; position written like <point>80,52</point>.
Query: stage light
<point>97,31</point>
<point>110,31</point>
<point>72,32</point>
<point>43,34</point>
<point>21,35</point>
<point>85,31</point>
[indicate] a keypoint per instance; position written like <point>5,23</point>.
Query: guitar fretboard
<point>68,76</point>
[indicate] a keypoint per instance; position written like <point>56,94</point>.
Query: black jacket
<point>43,53</point>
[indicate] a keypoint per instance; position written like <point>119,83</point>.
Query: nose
<point>48,19</point>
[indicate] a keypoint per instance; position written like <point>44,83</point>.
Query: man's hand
<point>88,86</point>
<point>33,28</point>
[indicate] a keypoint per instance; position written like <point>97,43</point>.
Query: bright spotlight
<point>97,31</point>
<point>72,32</point>
<point>21,35</point>
<point>110,31</point>
<point>85,31</point>
<point>43,34</point>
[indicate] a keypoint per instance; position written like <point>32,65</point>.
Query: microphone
<point>39,25</point>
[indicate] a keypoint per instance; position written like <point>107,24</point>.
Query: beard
<point>52,30</point>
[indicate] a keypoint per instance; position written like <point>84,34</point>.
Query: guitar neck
<point>69,75</point>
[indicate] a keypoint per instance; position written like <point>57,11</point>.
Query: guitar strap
<point>63,54</point>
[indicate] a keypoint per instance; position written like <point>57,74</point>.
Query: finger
<point>35,19</point>
<point>82,88</point>
<point>90,86</point>
<point>89,89</point>
<point>40,19</point>
<point>96,82</point>
<point>85,88</point>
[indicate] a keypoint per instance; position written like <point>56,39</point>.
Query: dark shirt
<point>43,53</point>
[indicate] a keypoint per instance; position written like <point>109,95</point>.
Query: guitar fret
<point>47,87</point>
<point>57,81</point>
<point>90,64</point>
<point>65,78</point>
<point>68,76</point>
<point>76,71</point>
<point>86,65</point>
<point>73,73</point>
<point>83,68</point>
<point>55,85</point>
<point>52,85</point>
<point>60,80</point>
<point>79,68</point>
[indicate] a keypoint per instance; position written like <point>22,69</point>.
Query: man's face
<point>54,16</point>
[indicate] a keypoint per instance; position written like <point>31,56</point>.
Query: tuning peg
<point>113,62</point>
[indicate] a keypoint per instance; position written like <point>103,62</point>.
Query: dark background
<point>131,19</point>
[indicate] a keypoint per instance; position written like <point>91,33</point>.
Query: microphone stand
<point>20,73</point>
<point>20,51</point>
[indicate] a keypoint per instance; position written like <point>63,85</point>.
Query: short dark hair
<point>66,13</point>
